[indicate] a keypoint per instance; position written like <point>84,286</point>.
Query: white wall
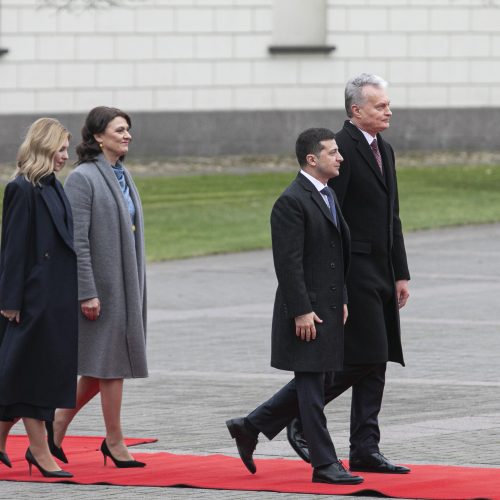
<point>197,55</point>
<point>435,53</point>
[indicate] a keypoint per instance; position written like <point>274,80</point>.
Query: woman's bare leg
<point>38,444</point>
<point>86,389</point>
<point>5,428</point>
<point>111,401</point>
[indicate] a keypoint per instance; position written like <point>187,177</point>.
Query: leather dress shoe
<point>246,441</point>
<point>376,462</point>
<point>297,441</point>
<point>56,451</point>
<point>4,458</point>
<point>334,474</point>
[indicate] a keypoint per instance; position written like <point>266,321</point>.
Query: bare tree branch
<point>84,4</point>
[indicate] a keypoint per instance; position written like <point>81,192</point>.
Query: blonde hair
<point>35,158</point>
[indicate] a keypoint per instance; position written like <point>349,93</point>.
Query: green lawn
<point>189,216</point>
<point>199,215</point>
<point>449,196</point>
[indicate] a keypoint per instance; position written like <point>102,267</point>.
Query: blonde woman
<point>38,295</point>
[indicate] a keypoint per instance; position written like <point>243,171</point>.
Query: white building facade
<point>230,76</point>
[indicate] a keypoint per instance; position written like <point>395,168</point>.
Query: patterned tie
<point>376,153</point>
<point>326,191</point>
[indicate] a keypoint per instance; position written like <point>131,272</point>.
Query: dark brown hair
<point>309,142</point>
<point>96,122</point>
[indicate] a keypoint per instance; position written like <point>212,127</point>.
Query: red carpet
<point>433,482</point>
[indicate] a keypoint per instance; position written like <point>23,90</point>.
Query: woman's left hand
<point>11,315</point>
<point>91,308</point>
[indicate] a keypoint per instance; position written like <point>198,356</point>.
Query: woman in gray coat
<point>109,242</point>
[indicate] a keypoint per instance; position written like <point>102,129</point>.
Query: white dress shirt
<point>317,184</point>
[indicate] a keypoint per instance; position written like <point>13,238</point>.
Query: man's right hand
<point>304,326</point>
<point>11,314</point>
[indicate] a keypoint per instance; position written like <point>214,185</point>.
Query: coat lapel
<point>64,230</point>
<point>109,176</point>
<point>135,196</point>
<point>67,208</point>
<point>342,228</point>
<point>365,152</point>
<point>318,199</point>
<point>136,239</point>
<point>139,223</point>
<point>388,165</point>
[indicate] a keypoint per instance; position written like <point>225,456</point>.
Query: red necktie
<point>376,153</point>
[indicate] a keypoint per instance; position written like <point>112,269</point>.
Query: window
<point>299,27</point>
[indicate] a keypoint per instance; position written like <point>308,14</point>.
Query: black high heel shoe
<point>45,473</point>
<point>122,464</point>
<point>56,451</point>
<point>4,458</point>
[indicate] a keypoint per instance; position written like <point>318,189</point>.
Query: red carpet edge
<point>429,482</point>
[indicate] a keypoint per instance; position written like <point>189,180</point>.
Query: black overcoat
<point>311,258</point>
<point>369,201</point>
<point>38,276</point>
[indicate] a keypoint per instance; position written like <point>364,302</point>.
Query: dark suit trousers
<point>367,382</point>
<point>305,396</point>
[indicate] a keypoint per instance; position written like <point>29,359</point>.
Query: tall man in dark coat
<point>378,277</point>
<point>311,254</point>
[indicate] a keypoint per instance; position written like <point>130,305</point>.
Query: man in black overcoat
<point>310,241</point>
<point>378,279</point>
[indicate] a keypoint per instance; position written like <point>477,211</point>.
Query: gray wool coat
<point>111,266</point>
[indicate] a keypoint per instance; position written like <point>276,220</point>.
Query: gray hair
<point>354,89</point>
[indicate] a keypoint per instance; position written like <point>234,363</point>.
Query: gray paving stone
<point>209,342</point>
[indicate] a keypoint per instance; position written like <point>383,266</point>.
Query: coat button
<point>332,244</point>
<point>333,288</point>
<point>332,265</point>
<point>333,307</point>
<point>46,255</point>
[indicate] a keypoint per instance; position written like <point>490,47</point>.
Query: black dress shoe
<point>45,473</point>
<point>121,464</point>
<point>376,462</point>
<point>334,474</point>
<point>56,451</point>
<point>297,441</point>
<point>4,458</point>
<point>246,441</point>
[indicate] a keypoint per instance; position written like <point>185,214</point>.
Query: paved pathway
<point>209,323</point>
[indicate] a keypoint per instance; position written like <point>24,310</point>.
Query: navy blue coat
<point>38,277</point>
<point>370,205</point>
<point>311,259</point>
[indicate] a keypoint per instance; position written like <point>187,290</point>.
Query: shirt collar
<point>317,184</point>
<point>368,136</point>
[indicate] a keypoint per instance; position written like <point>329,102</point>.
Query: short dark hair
<point>96,122</point>
<point>309,142</point>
